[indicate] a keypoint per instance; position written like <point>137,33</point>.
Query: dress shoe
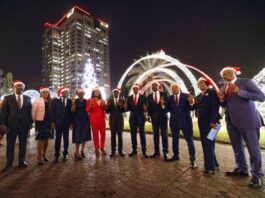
<point>154,155</point>
<point>46,159</point>
<point>112,154</point>
<point>132,153</point>
<point>166,157</point>
<point>7,168</point>
<point>208,172</point>
<point>145,155</point>
<point>121,154</point>
<point>174,158</point>
<point>23,164</point>
<point>65,157</point>
<point>255,182</point>
<point>193,164</point>
<point>236,172</point>
<point>56,160</point>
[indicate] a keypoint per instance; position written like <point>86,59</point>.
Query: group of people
<point>85,115</point>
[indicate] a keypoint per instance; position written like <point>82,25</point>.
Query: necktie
<point>135,100</point>
<point>156,98</point>
<point>177,100</point>
<point>227,91</point>
<point>19,102</point>
<point>115,102</point>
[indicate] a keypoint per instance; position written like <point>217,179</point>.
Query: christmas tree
<point>89,78</point>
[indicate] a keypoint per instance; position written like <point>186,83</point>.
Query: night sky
<point>206,34</point>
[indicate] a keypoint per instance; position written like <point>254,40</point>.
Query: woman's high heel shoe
<point>103,152</point>
<point>78,157</point>
<point>83,154</point>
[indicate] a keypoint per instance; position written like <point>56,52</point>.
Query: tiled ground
<point>123,177</point>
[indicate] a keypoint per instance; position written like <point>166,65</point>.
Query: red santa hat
<point>79,90</point>
<point>136,85</point>
<point>208,81</point>
<point>18,82</point>
<point>61,90</point>
<point>44,89</point>
<point>231,68</point>
<point>116,89</point>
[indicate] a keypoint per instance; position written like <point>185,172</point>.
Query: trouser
<point>62,130</point>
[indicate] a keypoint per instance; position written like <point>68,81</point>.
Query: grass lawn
<point>222,135</point>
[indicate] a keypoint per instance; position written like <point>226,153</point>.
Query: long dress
<point>43,128</point>
<point>81,128</point>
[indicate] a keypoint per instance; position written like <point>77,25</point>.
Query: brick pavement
<point>123,177</point>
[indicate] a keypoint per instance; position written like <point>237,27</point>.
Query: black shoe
<point>193,164</point>
<point>7,168</point>
<point>174,158</point>
<point>145,155</point>
<point>56,160</point>
<point>112,154</point>
<point>154,155</point>
<point>255,182</point>
<point>23,164</point>
<point>65,157</point>
<point>166,157</point>
<point>236,172</point>
<point>132,153</point>
<point>208,172</point>
<point>40,163</point>
<point>121,154</point>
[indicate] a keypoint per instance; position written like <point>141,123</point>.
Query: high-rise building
<point>68,44</point>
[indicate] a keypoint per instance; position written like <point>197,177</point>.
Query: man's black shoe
<point>255,182</point>
<point>236,172</point>
<point>132,153</point>
<point>7,168</point>
<point>193,164</point>
<point>23,164</point>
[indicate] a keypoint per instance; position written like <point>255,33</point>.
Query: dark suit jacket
<point>11,115</point>
<point>155,110</point>
<point>207,106</point>
<point>60,113</point>
<point>136,111</point>
<point>180,116</point>
<point>116,113</point>
<point>241,109</point>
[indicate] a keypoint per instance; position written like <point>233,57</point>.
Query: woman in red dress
<point>95,106</point>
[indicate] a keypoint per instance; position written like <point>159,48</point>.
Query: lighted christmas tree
<point>89,78</point>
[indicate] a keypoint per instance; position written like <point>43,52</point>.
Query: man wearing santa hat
<point>16,118</point>
<point>116,106</point>
<point>61,119</point>
<point>137,105</point>
<point>243,121</point>
<point>156,110</point>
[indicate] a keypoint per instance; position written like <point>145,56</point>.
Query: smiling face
<point>19,89</point>
<point>45,94</point>
<point>229,75</point>
<point>65,94</point>
<point>154,87</point>
<point>175,89</point>
<point>135,90</point>
<point>96,93</point>
<point>80,94</point>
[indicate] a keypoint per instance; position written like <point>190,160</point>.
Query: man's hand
<point>234,88</point>
<point>220,95</point>
<point>148,119</point>
<point>102,103</point>
<point>190,99</point>
<point>212,125</point>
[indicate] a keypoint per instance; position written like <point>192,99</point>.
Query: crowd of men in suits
<point>237,96</point>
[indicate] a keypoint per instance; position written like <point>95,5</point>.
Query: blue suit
<point>207,111</point>
<point>159,121</point>
<point>180,119</point>
<point>243,121</point>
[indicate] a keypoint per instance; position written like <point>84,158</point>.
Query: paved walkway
<point>126,177</point>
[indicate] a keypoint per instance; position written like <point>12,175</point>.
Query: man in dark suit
<point>156,111</point>
<point>116,107</point>
<point>61,119</point>
<point>238,96</point>
<point>16,118</point>
<point>180,105</point>
<point>137,106</point>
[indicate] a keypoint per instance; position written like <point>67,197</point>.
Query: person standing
<point>95,106</point>
<point>238,96</point>
<point>81,125</point>
<point>137,105</point>
<point>207,110</point>
<point>116,106</point>
<point>61,121</point>
<point>16,118</point>
<point>156,102</point>
<point>41,115</point>
<point>180,105</point>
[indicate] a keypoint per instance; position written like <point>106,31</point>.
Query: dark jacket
<point>61,113</point>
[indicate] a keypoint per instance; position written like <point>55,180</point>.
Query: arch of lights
<point>167,62</point>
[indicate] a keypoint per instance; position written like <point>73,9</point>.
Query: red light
<point>47,25</point>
